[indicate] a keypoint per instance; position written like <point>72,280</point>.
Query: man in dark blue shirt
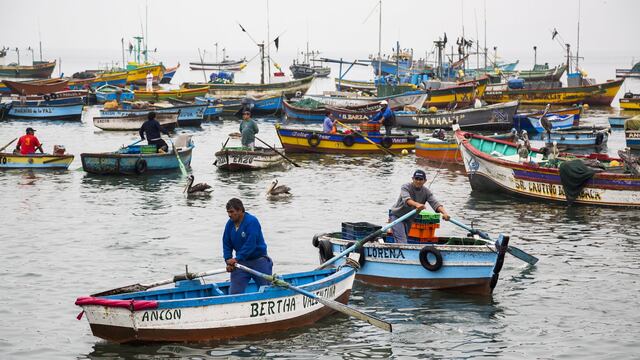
<point>386,117</point>
<point>243,235</point>
<point>152,129</point>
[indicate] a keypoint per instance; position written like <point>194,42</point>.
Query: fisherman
<point>27,144</point>
<point>413,195</point>
<point>248,130</point>
<point>329,126</point>
<point>23,97</point>
<point>243,234</point>
<point>152,129</point>
<point>149,81</point>
<point>385,116</point>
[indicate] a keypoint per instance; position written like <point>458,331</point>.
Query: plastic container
<point>369,127</point>
<point>423,232</point>
<point>358,230</point>
<point>148,149</point>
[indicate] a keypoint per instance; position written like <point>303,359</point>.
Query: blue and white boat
<point>455,264</point>
<point>214,110</point>
<point>298,113</point>
<point>71,112</point>
<point>618,121</point>
<point>197,311</point>
<point>271,105</point>
<point>190,115</point>
<point>135,159</point>
<point>576,137</point>
<point>111,93</point>
<point>534,124</point>
<point>632,132</point>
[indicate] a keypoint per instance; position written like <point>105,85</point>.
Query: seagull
<point>275,190</point>
<point>201,189</point>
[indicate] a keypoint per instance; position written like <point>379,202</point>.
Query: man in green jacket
<point>248,129</point>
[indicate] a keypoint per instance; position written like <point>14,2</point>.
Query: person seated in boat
<point>248,130</point>
<point>385,116</point>
<point>413,195</point>
<point>243,235</point>
<point>27,144</point>
<point>152,129</point>
<point>329,125</point>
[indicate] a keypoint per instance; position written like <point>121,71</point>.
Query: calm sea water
<point>66,234</point>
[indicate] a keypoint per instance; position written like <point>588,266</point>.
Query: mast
<point>380,39</point>
<point>268,45</point>
<point>578,46</point>
<point>146,33</point>
<point>261,46</point>
<point>398,60</point>
<point>124,66</point>
<point>216,44</point>
<point>485,34</point>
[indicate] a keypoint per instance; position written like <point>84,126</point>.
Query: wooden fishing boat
<point>302,70</point>
<point>355,114</point>
<point>299,113</point>
<point>113,93</point>
<point>168,74</point>
<point>214,108</point>
<point>132,160</point>
<point>158,95</point>
<point>34,161</point>
<point>72,112</point>
<point>229,65</point>
<point>630,101</point>
<point>241,158</point>
<point>305,140</point>
<point>576,111</point>
<point>367,87</point>
<point>65,97</point>
<point>446,263</point>
<point>137,73</point>
<point>445,150</point>
<point>598,94</point>
<point>287,89</point>
<point>534,124</point>
<point>576,137</point>
<point>496,117</point>
<point>632,132</point>
<point>441,94</point>
<point>132,121</point>
<point>269,105</point>
<point>198,311</point>
<point>189,115</point>
<point>37,87</point>
<point>493,166</point>
<point>537,74</point>
<point>39,70</point>
<point>617,121</point>
<point>412,99</point>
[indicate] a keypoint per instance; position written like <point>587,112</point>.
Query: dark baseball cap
<point>30,129</point>
<point>419,174</point>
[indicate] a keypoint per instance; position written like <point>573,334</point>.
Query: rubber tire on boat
<point>313,140</point>
<point>141,166</point>
<point>325,249</point>
<point>47,98</point>
<point>349,140</point>
<point>54,95</point>
<point>316,239</point>
<point>361,252</point>
<point>386,142</point>
<point>425,261</point>
<point>599,138</point>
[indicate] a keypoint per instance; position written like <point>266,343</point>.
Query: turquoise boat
<point>137,159</point>
<point>110,93</point>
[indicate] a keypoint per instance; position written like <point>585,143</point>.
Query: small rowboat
<point>618,121</point>
<point>133,160</point>
<point>576,111</point>
<point>305,140</point>
<point>46,112</point>
<point>578,137</point>
<point>34,161</point>
<point>195,311</point>
<point>298,113</point>
<point>447,263</point>
<point>37,87</point>
<point>367,87</point>
<point>355,114</point>
<point>414,99</point>
<point>111,92</point>
<point>183,94</point>
<point>189,115</point>
<point>534,124</point>
<point>446,150</point>
<point>240,158</point>
<point>133,121</point>
<point>632,132</point>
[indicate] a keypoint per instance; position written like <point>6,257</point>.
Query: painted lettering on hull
<point>384,253</point>
<point>326,293</point>
<point>161,315</point>
<point>271,307</point>
<point>553,190</point>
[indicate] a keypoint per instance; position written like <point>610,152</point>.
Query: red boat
<point>37,87</point>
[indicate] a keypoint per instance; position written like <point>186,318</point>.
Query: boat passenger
<point>152,129</point>
<point>27,144</point>
<point>248,129</point>
<point>386,117</point>
<point>149,81</point>
<point>329,126</point>
<point>413,195</point>
<point>243,235</point>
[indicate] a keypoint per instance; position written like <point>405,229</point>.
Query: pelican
<point>201,189</point>
<point>275,190</point>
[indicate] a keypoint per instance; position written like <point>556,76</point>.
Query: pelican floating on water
<point>278,190</point>
<point>201,189</point>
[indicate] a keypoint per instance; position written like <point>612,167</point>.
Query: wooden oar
<point>175,150</point>
<point>366,138</point>
<point>215,163</point>
<point>278,152</point>
<point>326,302</point>
<point>143,287</point>
<point>10,142</point>
<point>370,237</point>
<point>56,159</point>
<point>511,249</point>
<point>134,143</point>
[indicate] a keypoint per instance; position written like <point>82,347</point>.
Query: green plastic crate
<point>427,217</point>
<point>148,149</point>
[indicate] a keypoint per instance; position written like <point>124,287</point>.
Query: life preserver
<point>54,95</point>
<point>424,258</point>
<point>325,249</point>
<point>313,140</point>
<point>361,252</point>
<point>141,166</point>
<point>349,140</point>
<point>47,98</point>
<point>386,142</point>
<point>599,138</point>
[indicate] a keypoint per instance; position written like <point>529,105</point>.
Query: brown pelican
<point>201,189</point>
<point>275,190</point>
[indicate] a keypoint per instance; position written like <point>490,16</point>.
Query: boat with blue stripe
<point>298,113</point>
<point>270,105</point>
<point>576,137</point>
<point>632,132</point>
<point>71,112</point>
<point>618,121</point>
<point>535,124</point>
<point>113,93</point>
<point>195,310</point>
<point>190,115</point>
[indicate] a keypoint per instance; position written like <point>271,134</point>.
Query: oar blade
<point>122,290</point>
<point>530,259</point>
<point>356,314</point>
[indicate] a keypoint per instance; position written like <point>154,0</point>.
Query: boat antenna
<point>268,45</point>
<point>578,46</point>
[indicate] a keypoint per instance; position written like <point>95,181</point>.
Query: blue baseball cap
<point>419,174</point>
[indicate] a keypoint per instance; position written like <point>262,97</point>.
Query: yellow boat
<point>182,94</point>
<point>34,161</point>
<point>137,73</point>
<point>597,94</point>
<point>630,101</point>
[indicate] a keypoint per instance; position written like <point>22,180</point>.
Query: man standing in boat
<point>413,195</point>
<point>386,117</point>
<point>248,130</point>
<point>152,129</point>
<point>27,144</point>
<point>243,235</point>
<point>149,81</point>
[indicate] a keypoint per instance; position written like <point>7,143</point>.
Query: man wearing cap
<point>248,129</point>
<point>413,195</point>
<point>152,129</point>
<point>27,144</point>
<point>386,116</point>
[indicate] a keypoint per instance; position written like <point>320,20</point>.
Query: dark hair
<point>152,115</point>
<point>235,204</point>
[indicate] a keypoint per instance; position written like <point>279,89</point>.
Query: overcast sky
<point>337,28</point>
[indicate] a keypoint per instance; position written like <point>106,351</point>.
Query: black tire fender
<point>316,239</point>
<point>313,140</point>
<point>599,138</point>
<point>47,98</point>
<point>325,249</point>
<point>424,260</point>
<point>141,166</point>
<point>349,140</point>
<point>386,142</point>
<point>360,251</point>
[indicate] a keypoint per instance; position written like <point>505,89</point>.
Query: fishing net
<point>573,176</point>
<point>309,104</point>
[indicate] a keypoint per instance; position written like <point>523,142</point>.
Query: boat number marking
<point>155,315</point>
<point>242,159</point>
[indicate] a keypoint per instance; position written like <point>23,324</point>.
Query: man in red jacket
<point>28,143</point>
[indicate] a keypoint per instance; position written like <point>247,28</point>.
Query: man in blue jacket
<point>243,235</point>
<point>386,117</point>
